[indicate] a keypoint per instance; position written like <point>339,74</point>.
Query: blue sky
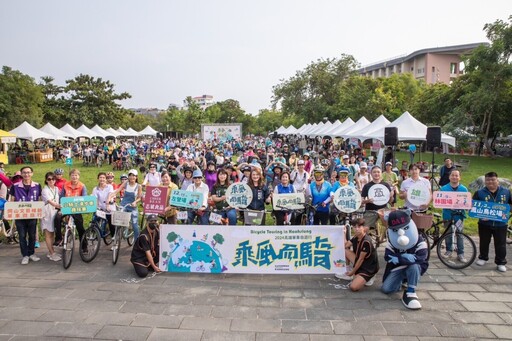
<point>162,51</point>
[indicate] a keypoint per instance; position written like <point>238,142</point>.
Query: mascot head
<point>402,231</point>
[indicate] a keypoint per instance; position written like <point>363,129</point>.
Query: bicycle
<point>253,217</point>
<point>377,230</point>
<point>290,214</point>
<point>450,241</point>
<point>11,235</point>
<point>91,237</point>
<point>122,222</point>
<point>68,245</point>
<point>127,232</point>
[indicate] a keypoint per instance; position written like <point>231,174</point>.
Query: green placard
<point>78,205</point>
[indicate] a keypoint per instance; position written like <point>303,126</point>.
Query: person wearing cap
<point>362,177</point>
<point>59,178</point>
<point>273,173</point>
<point>300,179</point>
<point>199,186</point>
<point>172,164</point>
<point>342,182</point>
<point>75,188</point>
<point>320,193</point>
<point>146,249</point>
<point>414,180</point>
<point>244,172</point>
<point>405,256</point>
<point>390,177</point>
<point>185,172</point>
<point>132,197</point>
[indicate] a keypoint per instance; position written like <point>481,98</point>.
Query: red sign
<point>155,199</point>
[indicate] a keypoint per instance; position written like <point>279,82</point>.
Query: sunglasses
<point>50,179</point>
<point>197,177</point>
<point>152,167</point>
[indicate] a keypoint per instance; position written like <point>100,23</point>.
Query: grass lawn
<point>478,166</point>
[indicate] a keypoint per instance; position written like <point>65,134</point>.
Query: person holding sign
<point>218,196</point>
<point>457,215</point>
<point>75,188</point>
<point>321,196</point>
<point>493,192</point>
<point>26,190</point>
<point>132,196</point>
<point>362,256</point>
<point>146,249</point>
<point>199,186</point>
<point>376,195</point>
<point>300,178</point>
<point>170,212</point>
<point>101,192</point>
<point>283,188</point>
<point>416,183</point>
<point>260,192</point>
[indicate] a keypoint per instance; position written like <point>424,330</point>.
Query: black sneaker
<point>410,300</point>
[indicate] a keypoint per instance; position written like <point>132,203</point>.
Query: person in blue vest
<point>26,190</point>
<point>412,151</point>
<point>284,187</point>
<point>493,192</point>
<point>457,215</point>
<point>321,196</point>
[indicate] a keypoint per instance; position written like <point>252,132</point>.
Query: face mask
<point>153,225</point>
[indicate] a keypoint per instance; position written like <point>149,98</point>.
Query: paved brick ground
<point>98,300</point>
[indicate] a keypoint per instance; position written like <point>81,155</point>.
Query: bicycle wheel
<point>14,233</point>
<point>90,243</point>
<point>116,245</point>
<point>427,240</point>
<point>449,253</point>
<point>128,235</point>
<point>68,248</point>
<point>108,237</point>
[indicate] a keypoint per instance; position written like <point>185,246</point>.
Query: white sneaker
<point>55,257</point>
<point>34,258</point>
<point>370,282</point>
<point>24,260</point>
<point>480,262</point>
<point>343,276</point>
<point>501,268</point>
<point>447,254</point>
<point>461,258</point>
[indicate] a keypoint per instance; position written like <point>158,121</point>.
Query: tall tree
<point>92,101</point>
<point>313,93</point>
<point>485,88</point>
<point>54,106</point>
<point>21,99</point>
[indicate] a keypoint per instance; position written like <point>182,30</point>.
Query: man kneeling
<point>146,248</point>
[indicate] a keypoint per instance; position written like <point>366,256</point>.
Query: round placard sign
<point>239,195</point>
<point>418,194</point>
<point>347,199</point>
<point>380,194</point>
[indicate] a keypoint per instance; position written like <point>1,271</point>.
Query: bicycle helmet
<point>108,174</point>
<point>343,170</point>
<point>59,171</point>
<point>318,169</point>
<point>123,176</point>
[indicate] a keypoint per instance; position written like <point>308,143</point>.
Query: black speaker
<point>433,137</point>
<point>391,136</point>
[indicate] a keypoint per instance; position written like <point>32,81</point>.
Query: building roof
<point>455,49</point>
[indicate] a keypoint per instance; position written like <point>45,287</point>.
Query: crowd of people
<point>316,168</point>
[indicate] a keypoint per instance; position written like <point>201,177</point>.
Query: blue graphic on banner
<point>489,210</point>
<point>78,205</point>
<point>186,199</point>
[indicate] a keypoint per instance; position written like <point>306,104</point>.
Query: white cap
<point>133,171</point>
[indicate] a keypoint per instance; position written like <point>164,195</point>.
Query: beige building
<point>433,65</point>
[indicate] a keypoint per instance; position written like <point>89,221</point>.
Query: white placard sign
<point>380,194</point>
<point>347,199</point>
<point>291,201</point>
<point>239,195</point>
<point>419,194</point>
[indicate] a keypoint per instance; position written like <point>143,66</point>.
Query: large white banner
<point>252,249</point>
<point>221,132</point>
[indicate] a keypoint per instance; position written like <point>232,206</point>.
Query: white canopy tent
<point>55,132</point>
<point>409,129</point>
<point>99,130</point>
<point>280,130</point>
<point>28,132</point>
<point>90,134</point>
<point>132,132</point>
<point>361,123</point>
<point>291,130</point>
<point>71,132</point>
<point>148,131</point>
<point>321,131</point>
<point>341,128</point>
<point>122,132</point>
<point>112,132</point>
<point>310,128</point>
<point>379,123</point>
<point>318,127</point>
<point>303,128</point>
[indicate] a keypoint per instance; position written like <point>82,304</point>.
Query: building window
<point>453,68</point>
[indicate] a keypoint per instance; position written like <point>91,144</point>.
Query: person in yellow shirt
<point>170,213</point>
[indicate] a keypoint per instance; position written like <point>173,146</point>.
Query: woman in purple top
<point>26,190</point>
<point>210,175</point>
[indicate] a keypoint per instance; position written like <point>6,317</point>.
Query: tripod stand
<point>432,177</point>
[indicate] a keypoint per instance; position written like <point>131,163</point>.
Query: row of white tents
<point>409,129</point>
<point>67,132</point>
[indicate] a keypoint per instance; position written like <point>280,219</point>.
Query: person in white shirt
<point>152,178</point>
<point>300,179</point>
<point>414,180</point>
<point>199,186</point>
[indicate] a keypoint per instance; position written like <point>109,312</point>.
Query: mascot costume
<point>405,256</point>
